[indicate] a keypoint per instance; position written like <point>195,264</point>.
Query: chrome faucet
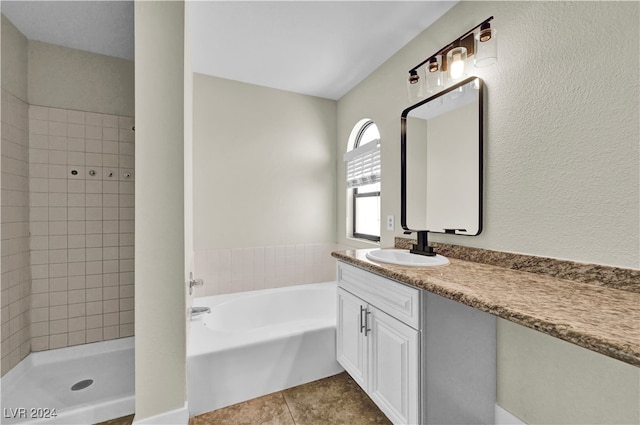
<point>197,311</point>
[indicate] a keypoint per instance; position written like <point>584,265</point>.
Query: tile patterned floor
<point>125,420</point>
<point>336,400</point>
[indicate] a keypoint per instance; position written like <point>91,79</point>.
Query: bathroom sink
<point>403,257</point>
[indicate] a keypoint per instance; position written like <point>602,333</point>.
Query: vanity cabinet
<point>423,359</point>
<point>351,347</point>
<point>380,352</point>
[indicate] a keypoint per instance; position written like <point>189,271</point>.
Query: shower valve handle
<point>194,282</point>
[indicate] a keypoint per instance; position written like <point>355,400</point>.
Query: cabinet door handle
<point>362,325</point>
<point>366,321</point>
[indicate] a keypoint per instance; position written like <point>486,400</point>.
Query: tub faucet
<point>197,311</point>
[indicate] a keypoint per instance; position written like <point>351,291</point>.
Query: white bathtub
<point>40,385</point>
<point>259,342</point>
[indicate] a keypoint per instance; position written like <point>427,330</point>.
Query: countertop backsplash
<point>607,276</point>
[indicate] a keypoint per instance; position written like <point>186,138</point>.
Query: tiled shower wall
<point>14,297</point>
<point>246,269</point>
<point>81,182</point>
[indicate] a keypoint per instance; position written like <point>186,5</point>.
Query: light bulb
<point>457,67</point>
<point>455,62</point>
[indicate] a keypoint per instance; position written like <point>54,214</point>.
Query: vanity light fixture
<point>479,42</point>
<point>455,59</point>
<point>486,46</point>
<point>434,78</point>
<point>486,32</point>
<point>434,66</point>
<point>413,76</point>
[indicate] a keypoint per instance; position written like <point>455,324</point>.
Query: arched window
<point>363,180</point>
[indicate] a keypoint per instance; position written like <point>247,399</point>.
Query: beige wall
<point>74,79</point>
<point>264,166</point>
<point>189,260</point>
<point>55,76</point>
<point>560,138</point>
<point>452,203</point>
<point>545,380</point>
<point>14,60</point>
<point>160,233</point>
<point>561,164</point>
<point>417,131</point>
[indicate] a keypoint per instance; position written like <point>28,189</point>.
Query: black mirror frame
<point>422,233</point>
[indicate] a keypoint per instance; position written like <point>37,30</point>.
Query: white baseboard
<point>504,417</point>
<point>172,417</point>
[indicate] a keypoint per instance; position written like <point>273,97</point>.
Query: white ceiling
<point>104,27</point>
<point>320,48</point>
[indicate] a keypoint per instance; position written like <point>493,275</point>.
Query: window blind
<point>363,164</point>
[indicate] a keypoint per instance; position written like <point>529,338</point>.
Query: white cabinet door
<point>394,372</point>
<point>351,344</point>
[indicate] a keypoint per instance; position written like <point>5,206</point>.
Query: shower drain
<point>81,385</point>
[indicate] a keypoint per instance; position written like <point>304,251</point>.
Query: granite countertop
<point>599,318</point>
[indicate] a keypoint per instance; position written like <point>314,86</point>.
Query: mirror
<point>441,162</point>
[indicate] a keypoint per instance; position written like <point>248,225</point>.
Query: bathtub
<point>259,342</point>
<point>39,389</point>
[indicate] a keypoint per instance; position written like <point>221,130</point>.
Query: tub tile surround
<point>81,184</point>
<point>226,271</point>
<point>601,319</point>
<point>15,295</point>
